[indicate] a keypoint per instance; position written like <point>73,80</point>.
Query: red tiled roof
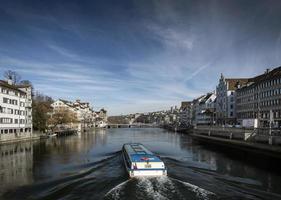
<point>185,104</point>
<point>234,82</point>
<point>267,75</point>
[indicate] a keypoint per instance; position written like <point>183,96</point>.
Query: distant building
<point>185,113</point>
<point>86,116</point>
<point>205,110</point>
<point>225,102</point>
<point>260,97</point>
<point>15,111</point>
<point>100,118</point>
<point>195,109</point>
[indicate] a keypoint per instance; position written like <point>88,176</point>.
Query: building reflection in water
<point>16,165</point>
<point>239,169</point>
<point>27,162</point>
<point>56,157</point>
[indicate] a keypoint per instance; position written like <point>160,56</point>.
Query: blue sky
<point>137,56</point>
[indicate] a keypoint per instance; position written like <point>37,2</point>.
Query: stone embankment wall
<point>250,135</point>
<point>17,137</point>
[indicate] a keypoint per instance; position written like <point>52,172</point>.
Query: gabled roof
<point>267,75</point>
<point>103,110</point>
<point>233,83</point>
<point>65,101</point>
<point>198,99</point>
<point>12,87</point>
<point>206,98</point>
<point>185,104</point>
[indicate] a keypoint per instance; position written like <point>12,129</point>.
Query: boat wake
<point>160,188</point>
<point>115,192</point>
<point>90,181</point>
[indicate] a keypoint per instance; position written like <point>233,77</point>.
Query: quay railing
<point>260,135</point>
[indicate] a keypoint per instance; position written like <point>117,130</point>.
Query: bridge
<point>134,125</point>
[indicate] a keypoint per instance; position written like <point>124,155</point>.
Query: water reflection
<point>231,169</point>
<point>16,165</point>
<point>89,165</point>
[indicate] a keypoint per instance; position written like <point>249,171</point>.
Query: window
<point>9,111</point>
<point>5,100</point>
<point>5,91</point>
<point>6,121</point>
<point>15,102</point>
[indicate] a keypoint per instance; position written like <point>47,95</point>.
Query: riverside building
<point>15,111</point>
<point>185,113</point>
<point>261,99</point>
<point>85,114</point>
<point>205,111</point>
<point>225,102</point>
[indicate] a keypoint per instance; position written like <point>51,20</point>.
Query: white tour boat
<point>139,161</point>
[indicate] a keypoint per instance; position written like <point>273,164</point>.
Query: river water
<point>90,166</point>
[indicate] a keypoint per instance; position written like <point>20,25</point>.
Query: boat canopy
<point>138,153</point>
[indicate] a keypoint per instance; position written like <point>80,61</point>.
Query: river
<point>90,166</point>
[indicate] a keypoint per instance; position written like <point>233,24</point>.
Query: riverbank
<point>22,139</point>
<point>248,141</point>
<point>37,135</point>
<point>179,129</point>
<point>243,146</point>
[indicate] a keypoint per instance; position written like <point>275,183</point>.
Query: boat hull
<point>140,173</point>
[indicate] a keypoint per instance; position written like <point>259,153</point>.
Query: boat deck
<point>139,153</point>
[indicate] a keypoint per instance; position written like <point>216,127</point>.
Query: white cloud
<point>172,37</point>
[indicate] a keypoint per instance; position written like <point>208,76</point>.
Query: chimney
<point>267,71</point>
<point>10,81</point>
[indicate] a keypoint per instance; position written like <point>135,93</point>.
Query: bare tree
<point>61,116</point>
<point>12,75</point>
<point>41,106</point>
<point>26,82</point>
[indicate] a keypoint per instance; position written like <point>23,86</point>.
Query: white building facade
<point>205,110</point>
<point>86,116</point>
<point>226,99</point>
<point>260,99</point>
<point>15,111</point>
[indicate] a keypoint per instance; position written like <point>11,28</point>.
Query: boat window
<point>127,159</point>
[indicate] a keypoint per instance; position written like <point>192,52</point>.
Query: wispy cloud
<point>151,56</point>
<point>63,51</point>
<point>173,38</point>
